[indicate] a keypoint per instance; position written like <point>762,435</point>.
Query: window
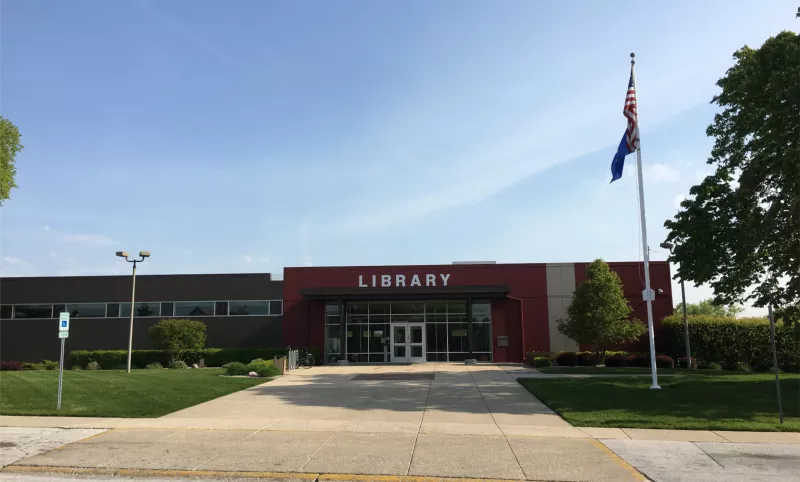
<point>144,308</point>
<point>408,307</point>
<point>33,311</point>
<point>6,311</point>
<point>221,308</point>
<point>249,307</point>
<point>194,308</point>
<point>112,310</point>
<point>58,309</point>
<point>87,310</point>
<point>276,307</point>
<point>167,309</point>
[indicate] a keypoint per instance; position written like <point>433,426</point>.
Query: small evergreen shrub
<point>93,366</point>
<point>542,362</point>
<point>154,366</point>
<point>567,359</point>
<point>178,364</point>
<point>237,369</point>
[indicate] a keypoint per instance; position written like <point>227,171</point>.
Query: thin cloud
<point>247,258</point>
<point>90,240</point>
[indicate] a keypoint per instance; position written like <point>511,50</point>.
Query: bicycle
<point>304,358</point>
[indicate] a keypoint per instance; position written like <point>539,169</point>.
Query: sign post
<point>775,362</point>
<point>63,333</point>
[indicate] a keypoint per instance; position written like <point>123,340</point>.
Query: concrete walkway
<point>436,420</point>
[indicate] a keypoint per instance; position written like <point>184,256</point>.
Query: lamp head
<point>668,246</point>
<point>122,254</point>
<point>144,254</point>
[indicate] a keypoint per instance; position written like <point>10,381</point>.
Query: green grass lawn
<point>611,370</point>
<point>701,401</point>
<point>114,393</point>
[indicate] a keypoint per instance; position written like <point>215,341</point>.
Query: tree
<point>599,315</point>
<point>9,147</point>
<point>708,307</point>
<point>178,336</point>
<point>741,228</point>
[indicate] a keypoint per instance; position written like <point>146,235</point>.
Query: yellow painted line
<point>619,460</point>
<point>233,474</point>
<point>43,469</point>
<point>401,478</point>
<point>213,473</point>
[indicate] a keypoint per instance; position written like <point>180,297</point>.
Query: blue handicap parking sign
<point>64,323</point>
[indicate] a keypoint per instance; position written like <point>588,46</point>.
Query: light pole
<point>143,255</point>
<point>669,246</point>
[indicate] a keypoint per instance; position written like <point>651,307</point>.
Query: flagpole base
<point>655,387</point>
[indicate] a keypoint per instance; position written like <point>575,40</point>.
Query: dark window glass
<point>379,308</point>
<point>194,308</point>
<point>112,310</point>
<point>436,307</point>
<point>378,319</point>
<point>144,308</point>
<point>457,357</point>
<point>58,309</point>
<point>221,308</point>
<point>332,309</point>
<point>331,320</point>
<point>379,340</point>
<point>6,311</point>
<point>87,310</point>
<point>435,318</point>
<point>357,308</point>
<point>482,308</point>
<point>249,307</point>
<point>481,337</point>
<point>332,344</point>
<point>354,319</point>
<point>356,341</point>
<point>456,306</point>
<point>457,336</point>
<point>408,307</point>
<point>436,337</point>
<point>408,318</point>
<point>33,311</point>
<point>378,358</point>
<point>436,357</point>
<point>276,307</point>
<point>167,309</point>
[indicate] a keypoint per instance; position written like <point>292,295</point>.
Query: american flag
<point>632,132</point>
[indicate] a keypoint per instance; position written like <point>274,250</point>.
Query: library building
<point>485,311</point>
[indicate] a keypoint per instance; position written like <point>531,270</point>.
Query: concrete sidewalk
<point>434,420</point>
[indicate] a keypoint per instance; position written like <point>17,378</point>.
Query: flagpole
<point>648,293</point>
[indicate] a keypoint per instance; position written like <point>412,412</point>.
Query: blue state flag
<point>619,158</point>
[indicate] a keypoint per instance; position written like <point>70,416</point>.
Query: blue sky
<point>250,135</point>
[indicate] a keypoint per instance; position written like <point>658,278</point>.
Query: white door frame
<point>407,327</point>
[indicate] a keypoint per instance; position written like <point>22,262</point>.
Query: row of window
<point>144,309</point>
<point>409,312</point>
<point>367,326</point>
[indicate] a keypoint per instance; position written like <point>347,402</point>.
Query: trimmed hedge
<point>10,366</point>
<point>542,362</point>
<point>567,359</point>
<point>615,360</point>
<point>730,341</point>
<point>586,359</point>
<point>212,357</point>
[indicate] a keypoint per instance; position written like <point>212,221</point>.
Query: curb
<point>145,473</point>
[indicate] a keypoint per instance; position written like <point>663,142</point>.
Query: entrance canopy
<point>400,293</point>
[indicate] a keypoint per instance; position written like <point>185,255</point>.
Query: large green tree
<point>708,307</point>
<point>599,315</point>
<point>9,147</point>
<point>740,229</point>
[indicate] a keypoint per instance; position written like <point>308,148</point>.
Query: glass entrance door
<point>408,343</point>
